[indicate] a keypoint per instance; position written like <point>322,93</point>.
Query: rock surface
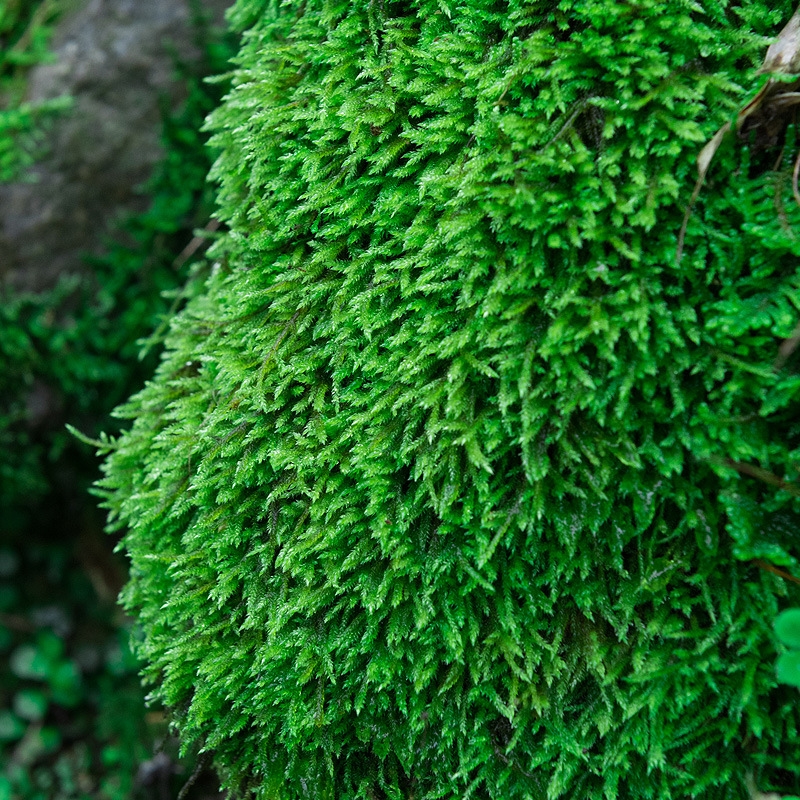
<point>115,59</point>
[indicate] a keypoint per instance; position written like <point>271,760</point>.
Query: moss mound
<point>438,489</point>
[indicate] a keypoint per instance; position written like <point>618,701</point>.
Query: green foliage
<point>435,492</point>
<point>787,629</point>
<point>69,695</point>
<point>25,28</point>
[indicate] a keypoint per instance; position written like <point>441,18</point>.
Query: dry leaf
<point>783,55</point>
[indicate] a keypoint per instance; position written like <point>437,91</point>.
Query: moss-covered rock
<point>438,491</point>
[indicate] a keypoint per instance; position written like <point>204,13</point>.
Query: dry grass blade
<point>763,475</point>
<point>788,346</point>
<point>795,172</point>
<point>775,570</point>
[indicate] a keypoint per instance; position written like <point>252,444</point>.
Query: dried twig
<point>795,172</point>
<point>763,475</point>
<point>196,243</point>
<point>703,163</point>
<point>202,762</point>
<point>783,58</point>
<point>765,565</point>
<point>755,793</point>
<point>14,622</point>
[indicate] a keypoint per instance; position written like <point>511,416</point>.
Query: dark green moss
<point>72,711</point>
<point>71,354</point>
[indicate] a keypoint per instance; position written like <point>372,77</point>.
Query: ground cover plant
<point>73,722</point>
<point>447,485</point>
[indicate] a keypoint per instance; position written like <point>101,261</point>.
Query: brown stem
<point>795,173</point>
<point>763,475</point>
<point>788,346</point>
<point>775,570</point>
<point>195,244</point>
<point>14,622</point>
<point>202,762</point>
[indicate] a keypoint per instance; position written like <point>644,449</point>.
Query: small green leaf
<point>28,662</point>
<point>50,646</point>
<point>50,739</point>
<point>30,704</point>
<point>11,727</point>
<point>111,756</point>
<point>787,627</point>
<point>65,681</point>
<point>788,668</point>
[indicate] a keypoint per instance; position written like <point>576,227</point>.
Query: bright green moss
<point>429,496</point>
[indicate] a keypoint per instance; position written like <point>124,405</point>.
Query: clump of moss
<point>437,489</point>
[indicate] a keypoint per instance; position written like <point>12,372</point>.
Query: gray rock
<point>114,58</point>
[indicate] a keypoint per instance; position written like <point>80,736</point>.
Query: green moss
<point>432,494</point>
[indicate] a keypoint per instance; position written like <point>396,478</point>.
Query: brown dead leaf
<point>755,104</point>
<point>703,163</point>
<point>783,55</point>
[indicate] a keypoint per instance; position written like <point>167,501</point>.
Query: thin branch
<point>15,622</point>
<point>196,243</point>
<point>763,475</point>
<point>788,346</point>
<point>201,765</point>
<point>775,570</point>
<point>703,163</point>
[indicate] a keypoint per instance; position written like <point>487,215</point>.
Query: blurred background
<point>104,215</point>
